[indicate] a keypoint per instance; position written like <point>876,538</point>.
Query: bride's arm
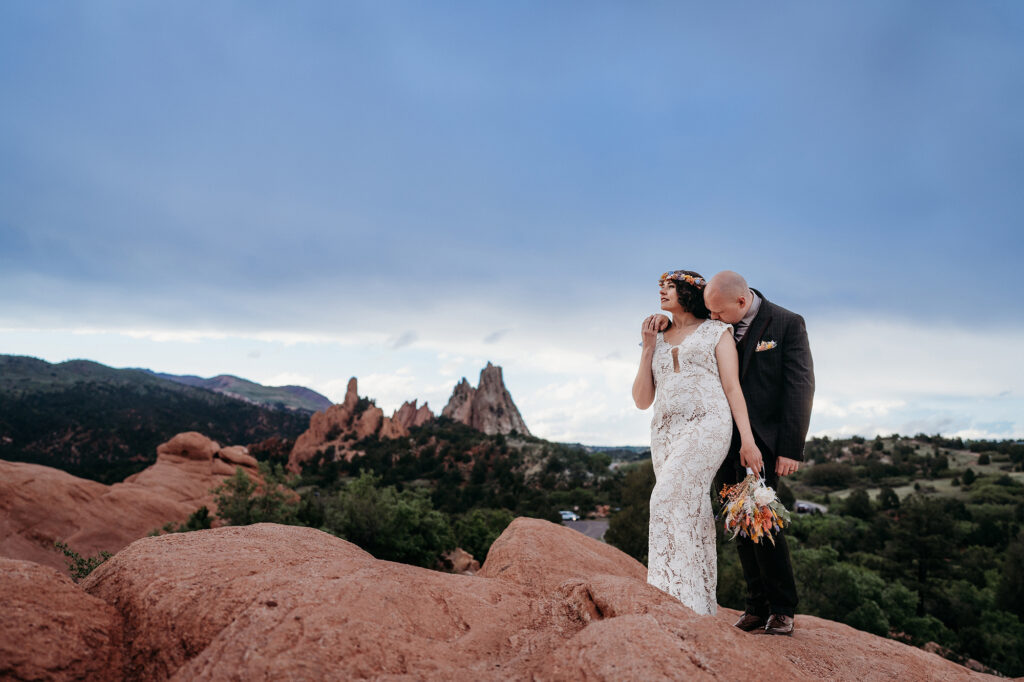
<point>729,372</point>
<point>643,385</point>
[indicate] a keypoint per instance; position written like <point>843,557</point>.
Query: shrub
<point>242,501</point>
<point>78,565</point>
<point>199,520</point>
<point>888,499</point>
<point>396,526</point>
<point>830,475</point>
<point>858,504</point>
<point>628,528</point>
<point>477,529</point>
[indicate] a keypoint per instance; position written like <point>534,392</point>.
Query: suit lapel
<point>748,344</point>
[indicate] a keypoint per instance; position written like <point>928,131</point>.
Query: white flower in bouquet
<point>764,496</point>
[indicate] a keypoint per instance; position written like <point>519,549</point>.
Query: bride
<point>690,373</point>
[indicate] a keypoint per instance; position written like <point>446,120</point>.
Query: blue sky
<point>404,191</point>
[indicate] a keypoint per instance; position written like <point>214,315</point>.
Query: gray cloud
<point>496,336</point>
<point>404,340</point>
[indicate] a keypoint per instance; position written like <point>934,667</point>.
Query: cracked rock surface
<point>287,603</point>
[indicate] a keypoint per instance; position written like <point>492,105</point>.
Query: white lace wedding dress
<point>690,434</point>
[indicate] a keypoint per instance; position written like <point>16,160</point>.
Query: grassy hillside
<point>906,465</point>
<point>103,423</point>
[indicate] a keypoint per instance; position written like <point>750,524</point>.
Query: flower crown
<point>698,282</point>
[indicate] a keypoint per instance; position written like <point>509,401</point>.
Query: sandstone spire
<point>488,408</point>
<point>346,423</point>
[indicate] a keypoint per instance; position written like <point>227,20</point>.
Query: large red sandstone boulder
<point>289,603</point>
<point>279,602</point>
<point>52,630</point>
<point>40,505</point>
<point>190,445</point>
<point>238,455</point>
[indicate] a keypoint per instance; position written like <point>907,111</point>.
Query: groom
<point>777,377</point>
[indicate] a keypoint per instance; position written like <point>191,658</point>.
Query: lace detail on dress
<point>691,429</point>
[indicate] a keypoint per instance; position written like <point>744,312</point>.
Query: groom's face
<point>724,308</point>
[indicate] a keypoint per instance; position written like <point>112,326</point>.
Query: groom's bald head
<point>727,296</point>
<point>728,283</point>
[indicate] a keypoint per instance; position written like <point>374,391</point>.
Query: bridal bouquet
<point>752,510</point>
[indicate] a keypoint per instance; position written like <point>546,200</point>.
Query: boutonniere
<point>765,345</point>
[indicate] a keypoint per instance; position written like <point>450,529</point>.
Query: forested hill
<point>103,423</point>
<point>297,398</point>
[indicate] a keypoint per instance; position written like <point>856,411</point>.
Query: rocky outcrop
<point>283,602</point>
<point>488,408</point>
<point>408,415</point>
<point>52,630</point>
<point>341,426</point>
<point>40,505</point>
<point>458,560</point>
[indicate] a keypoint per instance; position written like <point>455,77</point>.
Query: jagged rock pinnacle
<point>489,407</point>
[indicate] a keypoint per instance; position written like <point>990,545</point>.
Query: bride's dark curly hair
<point>691,298</point>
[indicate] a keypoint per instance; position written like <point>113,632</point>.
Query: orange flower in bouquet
<point>751,509</point>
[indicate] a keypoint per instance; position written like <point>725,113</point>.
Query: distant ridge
<point>103,423</point>
<point>277,397</point>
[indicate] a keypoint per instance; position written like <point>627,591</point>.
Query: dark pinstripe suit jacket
<point>777,382</point>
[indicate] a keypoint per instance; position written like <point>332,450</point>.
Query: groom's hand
<point>785,466</point>
<point>661,322</point>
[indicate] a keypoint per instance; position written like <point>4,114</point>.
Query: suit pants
<point>766,568</point>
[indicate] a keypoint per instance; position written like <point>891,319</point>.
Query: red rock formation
<point>282,602</point>
<point>340,426</point>
<point>409,416</point>
<point>488,408</point>
<point>459,560</point>
<point>40,505</point>
<point>52,630</point>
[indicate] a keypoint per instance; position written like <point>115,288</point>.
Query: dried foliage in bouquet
<point>751,509</point>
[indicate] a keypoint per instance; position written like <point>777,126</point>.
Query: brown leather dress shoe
<point>749,622</point>
<point>779,624</point>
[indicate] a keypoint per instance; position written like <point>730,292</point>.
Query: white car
<point>569,516</point>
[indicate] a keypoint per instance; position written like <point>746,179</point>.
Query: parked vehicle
<point>569,516</point>
<point>805,507</point>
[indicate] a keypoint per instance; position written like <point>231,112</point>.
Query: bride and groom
<point>731,379</point>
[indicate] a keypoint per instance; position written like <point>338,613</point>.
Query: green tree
<point>869,617</point>
<point>477,529</point>
<point>628,528</point>
<point>888,499</point>
<point>924,542</point>
<point>858,504</point>
<point>969,477</point>
<point>1010,592</point>
<point>242,500</point>
<point>832,475</point>
<point>396,526</point>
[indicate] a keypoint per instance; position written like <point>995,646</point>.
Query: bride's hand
<point>649,332</point>
<point>750,456</point>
